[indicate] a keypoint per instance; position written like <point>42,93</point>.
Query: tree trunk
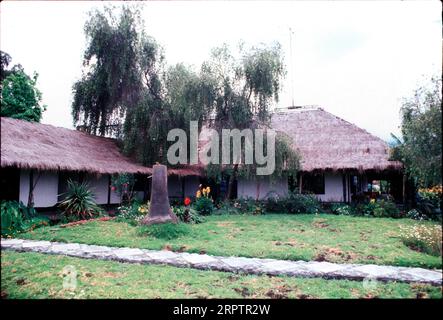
<point>160,210</point>
<point>231,182</point>
<point>31,190</point>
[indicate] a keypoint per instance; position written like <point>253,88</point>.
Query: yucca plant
<point>79,202</point>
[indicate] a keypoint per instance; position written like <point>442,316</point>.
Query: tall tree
<point>247,88</point>
<point>126,90</point>
<point>112,75</point>
<point>20,97</point>
<point>5,60</point>
<point>421,128</point>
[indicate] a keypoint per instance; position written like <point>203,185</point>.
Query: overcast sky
<point>355,59</point>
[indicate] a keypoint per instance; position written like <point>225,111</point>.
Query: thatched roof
<point>327,142</point>
<point>39,146</point>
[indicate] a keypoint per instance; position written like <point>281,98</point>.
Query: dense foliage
<point>246,87</point>
<point>421,148</point>
<point>382,208</point>
<point>20,97</point>
<point>79,202</point>
<point>293,203</point>
<point>16,218</point>
<point>187,214</point>
<point>128,91</point>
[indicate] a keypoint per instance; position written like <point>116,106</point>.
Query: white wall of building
<point>333,188</point>
<point>45,191</point>
<point>261,188</point>
<point>99,186</point>
<point>248,188</point>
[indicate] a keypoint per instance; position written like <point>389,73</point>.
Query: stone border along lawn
<point>331,238</point>
<point>272,267</point>
<point>28,275</point>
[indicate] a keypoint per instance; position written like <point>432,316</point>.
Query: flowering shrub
<point>203,203</point>
<point>342,209</point>
<point>426,238</point>
<point>133,213</point>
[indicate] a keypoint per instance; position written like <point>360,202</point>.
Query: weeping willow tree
<point>111,81</point>
<point>126,90</point>
<point>246,90</point>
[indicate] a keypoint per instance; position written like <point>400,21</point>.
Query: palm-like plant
<point>79,202</point>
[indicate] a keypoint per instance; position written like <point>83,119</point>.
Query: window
<point>313,183</point>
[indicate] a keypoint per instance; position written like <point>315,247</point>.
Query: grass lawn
<point>35,275</point>
<point>293,237</point>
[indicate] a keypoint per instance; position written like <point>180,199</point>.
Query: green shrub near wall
<point>16,218</point>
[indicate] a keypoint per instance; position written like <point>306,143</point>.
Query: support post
<point>109,189</point>
<point>31,189</point>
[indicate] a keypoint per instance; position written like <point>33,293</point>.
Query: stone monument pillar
<point>160,210</point>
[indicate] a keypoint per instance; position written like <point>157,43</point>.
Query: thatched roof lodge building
<point>338,162</point>
<point>45,157</point>
<point>338,159</point>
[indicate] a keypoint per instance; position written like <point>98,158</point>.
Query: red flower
<point>187,201</point>
<point>113,188</point>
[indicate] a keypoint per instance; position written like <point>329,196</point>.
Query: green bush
<point>248,206</point>
<point>227,207</point>
<point>275,204</point>
<point>187,214</point>
<point>387,209</point>
<point>293,203</point>
<point>204,205</point>
<point>364,209</point>
<point>16,218</point>
<point>79,202</point>
<point>12,217</point>
<point>165,231</point>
